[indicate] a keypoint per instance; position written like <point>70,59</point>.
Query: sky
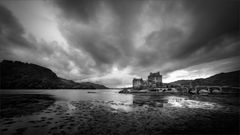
<point>111,42</point>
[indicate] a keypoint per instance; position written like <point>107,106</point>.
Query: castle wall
<point>154,81</point>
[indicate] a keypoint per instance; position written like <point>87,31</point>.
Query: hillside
<point>231,79</point>
<point>19,75</point>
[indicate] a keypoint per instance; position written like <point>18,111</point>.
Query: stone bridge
<point>210,89</point>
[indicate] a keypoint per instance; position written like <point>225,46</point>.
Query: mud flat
<point>109,117</point>
<point>147,119</point>
<point>14,105</point>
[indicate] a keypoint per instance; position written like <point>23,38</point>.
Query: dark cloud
<point>140,35</point>
<point>11,31</point>
<point>185,33</point>
<point>212,19</point>
<point>95,44</point>
<point>15,46</point>
<point>82,10</point>
<point>107,47</point>
<point>9,24</point>
<point>160,44</point>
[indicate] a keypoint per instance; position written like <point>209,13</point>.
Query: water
<point>183,102</point>
<point>114,99</point>
<point>77,95</point>
<point>110,97</point>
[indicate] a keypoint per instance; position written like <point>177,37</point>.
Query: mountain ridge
<point>20,75</point>
<point>231,79</point>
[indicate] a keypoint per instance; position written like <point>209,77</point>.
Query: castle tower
<point>137,83</point>
<point>155,80</point>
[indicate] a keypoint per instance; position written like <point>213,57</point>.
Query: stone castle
<point>154,81</point>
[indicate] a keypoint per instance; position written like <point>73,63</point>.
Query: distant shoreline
<point>52,89</point>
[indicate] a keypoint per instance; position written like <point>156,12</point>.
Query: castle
<point>154,81</point>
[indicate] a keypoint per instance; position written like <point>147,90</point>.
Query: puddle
<point>161,102</point>
<point>174,101</point>
<point>157,103</point>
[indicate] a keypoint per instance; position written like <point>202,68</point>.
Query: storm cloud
<point>16,44</point>
<point>129,37</point>
<point>11,32</point>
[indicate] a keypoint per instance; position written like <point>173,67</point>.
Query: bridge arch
<point>215,88</point>
<point>209,89</point>
<point>201,88</point>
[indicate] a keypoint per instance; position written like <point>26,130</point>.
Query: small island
<point>219,83</point>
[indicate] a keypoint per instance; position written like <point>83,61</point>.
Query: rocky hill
<point>231,79</point>
<point>19,75</point>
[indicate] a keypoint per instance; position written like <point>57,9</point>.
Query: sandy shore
<point>100,117</point>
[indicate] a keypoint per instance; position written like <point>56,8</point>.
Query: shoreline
<point>54,89</point>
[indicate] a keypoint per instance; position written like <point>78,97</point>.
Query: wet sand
<point>13,105</point>
<point>103,117</point>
